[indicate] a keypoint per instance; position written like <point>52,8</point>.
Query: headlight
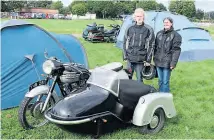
<point>48,66</point>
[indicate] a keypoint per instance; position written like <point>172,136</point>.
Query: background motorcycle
<point>98,34</point>
<point>93,28</point>
<point>70,78</point>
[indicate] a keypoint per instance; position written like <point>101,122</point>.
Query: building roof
<point>41,10</point>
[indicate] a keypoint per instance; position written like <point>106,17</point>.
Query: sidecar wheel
<point>30,115</point>
<point>156,124</point>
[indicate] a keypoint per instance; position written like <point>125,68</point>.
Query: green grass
<point>68,26</point>
<point>191,84</point>
<point>210,29</point>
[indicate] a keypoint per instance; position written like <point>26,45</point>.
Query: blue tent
<point>22,54</point>
<point>197,43</point>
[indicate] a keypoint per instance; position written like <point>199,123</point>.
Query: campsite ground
<point>191,84</point>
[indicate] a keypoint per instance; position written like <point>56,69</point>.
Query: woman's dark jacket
<point>167,48</point>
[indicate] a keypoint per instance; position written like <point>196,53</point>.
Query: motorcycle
<point>107,97</point>
<point>70,77</point>
<point>93,28</point>
<point>96,33</point>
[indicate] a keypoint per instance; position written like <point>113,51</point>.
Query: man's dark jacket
<point>139,43</point>
<point>167,48</point>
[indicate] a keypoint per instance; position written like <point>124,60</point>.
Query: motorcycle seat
<point>109,32</point>
<point>130,92</point>
<point>115,66</point>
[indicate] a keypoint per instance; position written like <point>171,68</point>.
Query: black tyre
<point>30,115</point>
<point>156,124</point>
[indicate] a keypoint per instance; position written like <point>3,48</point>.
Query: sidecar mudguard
<point>149,103</point>
<point>43,89</point>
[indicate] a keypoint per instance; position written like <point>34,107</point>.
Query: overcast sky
<point>206,5</point>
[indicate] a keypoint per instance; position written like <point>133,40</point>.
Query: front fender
<point>43,89</point>
<point>149,103</point>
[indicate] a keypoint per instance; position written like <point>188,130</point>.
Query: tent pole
<point>30,57</point>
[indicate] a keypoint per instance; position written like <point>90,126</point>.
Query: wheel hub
<point>154,122</point>
<point>36,110</point>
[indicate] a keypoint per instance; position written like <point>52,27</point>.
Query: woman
<point>166,53</point>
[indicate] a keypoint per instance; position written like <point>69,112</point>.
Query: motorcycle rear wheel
<point>30,115</point>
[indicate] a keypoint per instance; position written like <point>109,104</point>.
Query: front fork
<point>49,93</point>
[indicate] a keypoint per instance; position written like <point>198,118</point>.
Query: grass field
<point>191,84</point>
<point>211,30</point>
<point>68,26</point>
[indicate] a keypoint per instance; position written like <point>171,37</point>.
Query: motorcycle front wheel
<point>30,115</point>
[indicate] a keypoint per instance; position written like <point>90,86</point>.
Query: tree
<point>109,9</point>
<point>131,5</point>
<point>209,15</point>
<point>57,5</point>
<point>74,2</point>
<point>175,6</point>
<point>44,4</point>
<point>147,5</point>
<point>95,7</point>
<point>4,7</point>
<point>199,14</point>
<point>79,9</point>
<point>121,8</point>
<point>65,11</point>
<point>186,8</point>
<point>101,8</point>
<point>189,9</point>
<point>39,4</point>
<point>160,7</point>
<point>11,6</point>
<point>91,6</point>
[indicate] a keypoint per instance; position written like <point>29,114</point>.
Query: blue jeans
<point>137,67</point>
<point>164,79</point>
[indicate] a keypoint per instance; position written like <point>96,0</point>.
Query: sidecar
<point>109,97</point>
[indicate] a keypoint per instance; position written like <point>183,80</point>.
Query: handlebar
<point>73,65</point>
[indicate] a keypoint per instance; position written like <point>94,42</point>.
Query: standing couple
<point>141,45</point>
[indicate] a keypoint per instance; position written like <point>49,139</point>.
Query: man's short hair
<point>139,10</point>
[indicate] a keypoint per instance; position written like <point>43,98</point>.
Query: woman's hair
<point>168,18</point>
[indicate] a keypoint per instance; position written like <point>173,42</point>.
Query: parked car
<point>69,17</point>
<point>61,16</point>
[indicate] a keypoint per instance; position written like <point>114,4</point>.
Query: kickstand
<point>99,127</point>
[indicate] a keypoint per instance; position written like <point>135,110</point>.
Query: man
<point>138,44</point>
<point>166,53</point>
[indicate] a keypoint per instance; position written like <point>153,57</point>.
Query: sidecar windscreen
<point>106,79</point>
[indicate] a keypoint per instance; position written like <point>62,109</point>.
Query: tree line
<point>110,9</point>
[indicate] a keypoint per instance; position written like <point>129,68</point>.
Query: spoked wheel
<point>30,115</point>
<point>156,124</point>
